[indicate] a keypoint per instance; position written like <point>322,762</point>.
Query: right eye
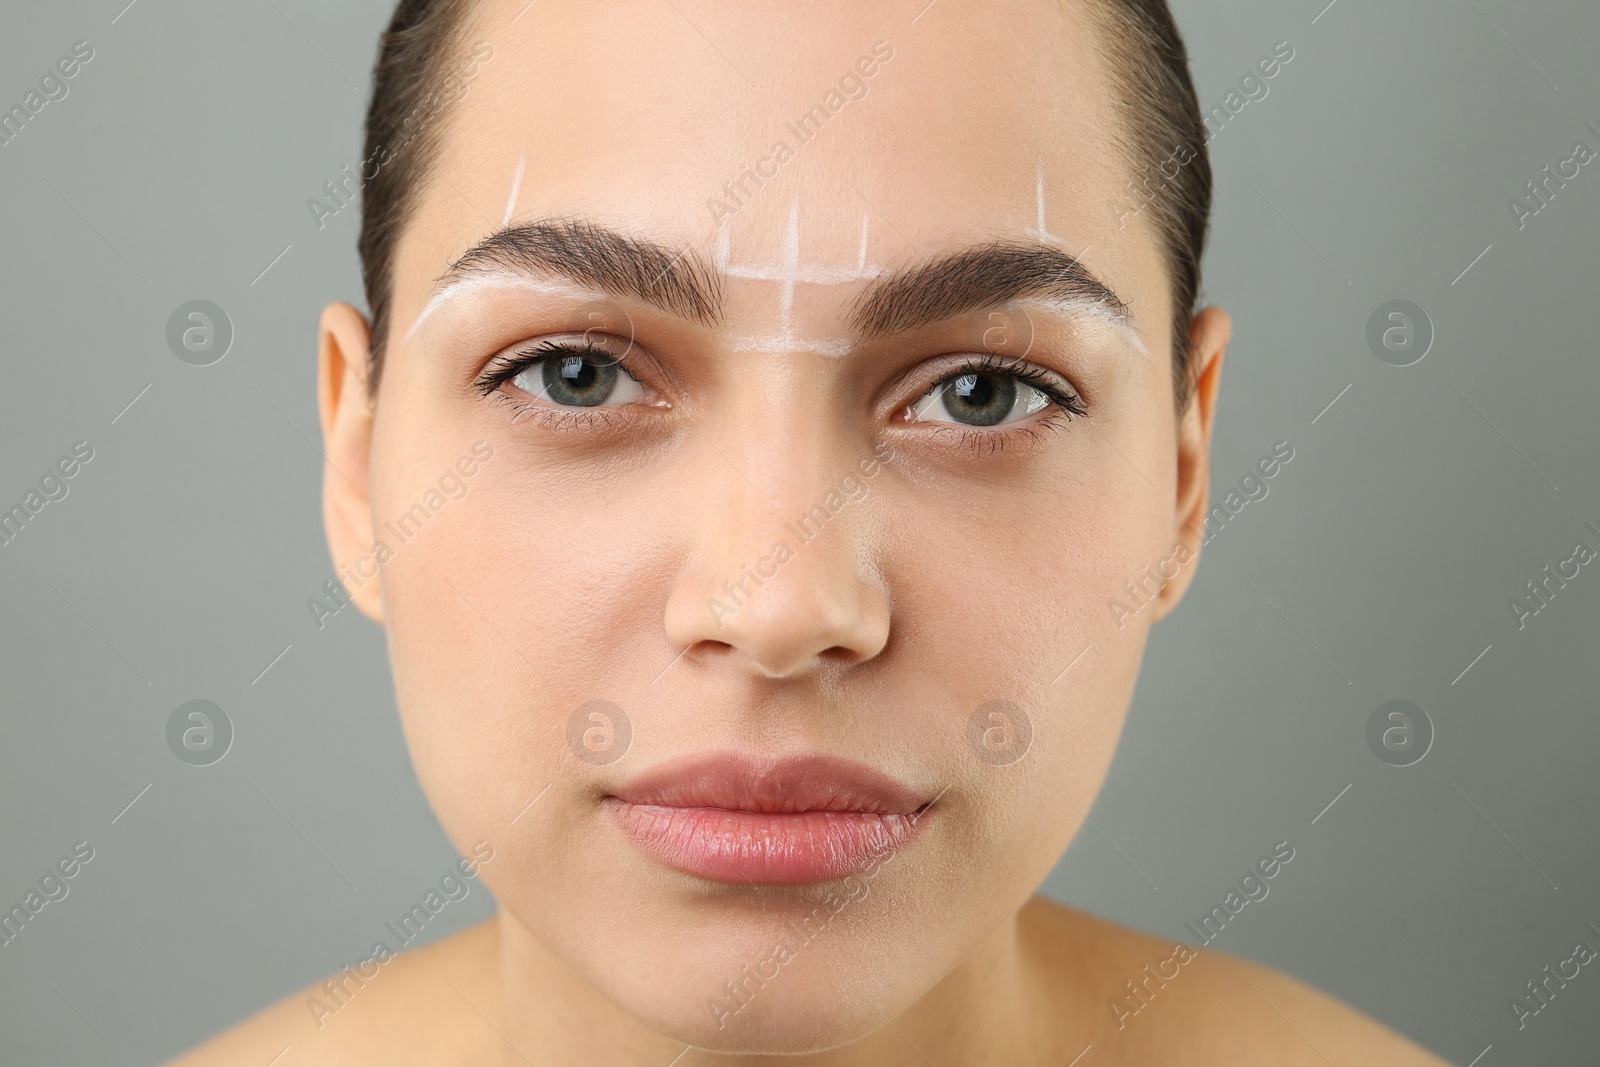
<point>568,375</point>
<point>579,379</point>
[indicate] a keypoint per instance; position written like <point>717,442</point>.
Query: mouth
<point>799,820</point>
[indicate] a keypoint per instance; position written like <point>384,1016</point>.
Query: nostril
<point>843,655</point>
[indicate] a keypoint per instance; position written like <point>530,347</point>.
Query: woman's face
<point>823,509</point>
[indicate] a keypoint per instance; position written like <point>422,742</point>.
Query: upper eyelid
<point>995,363</point>
<point>513,359</point>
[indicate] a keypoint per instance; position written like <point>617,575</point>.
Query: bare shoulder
<point>1155,1000</point>
<point>417,1007</point>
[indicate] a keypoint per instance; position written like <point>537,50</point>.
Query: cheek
<point>1003,593</point>
<point>519,603</point>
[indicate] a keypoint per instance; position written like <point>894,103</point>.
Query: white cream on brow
<point>786,342</point>
<point>491,280</point>
<point>1096,312</point>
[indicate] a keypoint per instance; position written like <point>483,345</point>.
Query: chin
<point>752,977</point>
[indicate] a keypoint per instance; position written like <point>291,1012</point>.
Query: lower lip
<point>763,848</point>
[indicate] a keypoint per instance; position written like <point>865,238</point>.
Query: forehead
<point>864,133</point>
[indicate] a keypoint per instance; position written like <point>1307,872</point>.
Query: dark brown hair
<point>1162,139</point>
<point>402,142</point>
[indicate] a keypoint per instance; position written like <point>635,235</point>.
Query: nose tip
<point>791,612</point>
<point>798,631</point>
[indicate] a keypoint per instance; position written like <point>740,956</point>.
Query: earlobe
<point>345,410</point>
<point>1208,339</point>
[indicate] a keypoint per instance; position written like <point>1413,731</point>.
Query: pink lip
<point>794,821</point>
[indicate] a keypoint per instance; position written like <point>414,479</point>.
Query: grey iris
<point>980,399</point>
<point>579,381</point>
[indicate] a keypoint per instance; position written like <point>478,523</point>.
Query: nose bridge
<point>781,574</point>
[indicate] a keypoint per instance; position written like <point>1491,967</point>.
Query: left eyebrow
<point>972,279</point>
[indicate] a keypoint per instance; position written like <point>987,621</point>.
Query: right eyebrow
<point>593,255</point>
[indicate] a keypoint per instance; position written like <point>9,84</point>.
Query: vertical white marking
<point>791,270</point>
<point>1038,197</point>
<point>516,187</point>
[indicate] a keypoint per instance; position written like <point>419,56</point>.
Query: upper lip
<point>788,784</point>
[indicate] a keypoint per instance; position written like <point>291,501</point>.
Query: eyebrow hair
<point>976,278</point>
<point>591,254</point>
<point>680,283</point>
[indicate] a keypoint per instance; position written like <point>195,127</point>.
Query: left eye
<point>979,398</point>
<point>579,380</point>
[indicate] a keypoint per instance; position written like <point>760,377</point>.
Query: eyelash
<point>1065,404</point>
<point>503,368</point>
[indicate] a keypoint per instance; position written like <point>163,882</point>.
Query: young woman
<point>759,407</point>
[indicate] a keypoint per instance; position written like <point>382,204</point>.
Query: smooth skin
<point>586,556</point>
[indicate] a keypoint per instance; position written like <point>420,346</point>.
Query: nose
<point>779,580</point>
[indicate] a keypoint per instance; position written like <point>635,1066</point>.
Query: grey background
<point>179,564</point>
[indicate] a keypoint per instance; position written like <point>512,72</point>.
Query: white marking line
<point>131,803</point>
<point>791,269</point>
<point>1040,231</point>
<point>274,662</point>
<point>680,1055</point>
<point>790,272</point>
<point>1080,1055</point>
<point>1324,11</point>
<point>132,402</point>
<point>1473,664</point>
<point>1331,803</point>
<point>492,280</point>
<point>1332,402</point>
<point>124,11</point>
<point>1480,1056</point>
<point>530,804</point>
<point>1474,263</point>
<point>1073,664</point>
<point>741,342</point>
<point>923,12</point>
<point>274,263</point>
<point>516,187</point>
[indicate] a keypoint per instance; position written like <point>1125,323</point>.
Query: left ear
<point>1208,342</point>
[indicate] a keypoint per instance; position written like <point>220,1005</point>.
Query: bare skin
<point>1065,966</point>
<point>606,552</point>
